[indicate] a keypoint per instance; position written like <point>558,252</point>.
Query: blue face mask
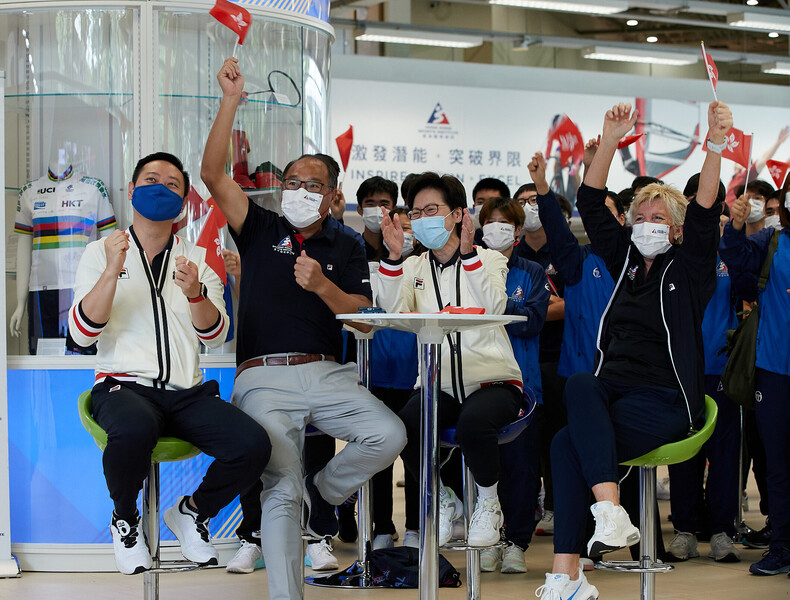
<point>430,231</point>
<point>156,202</point>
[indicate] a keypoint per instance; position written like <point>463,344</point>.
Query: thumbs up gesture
<point>308,273</point>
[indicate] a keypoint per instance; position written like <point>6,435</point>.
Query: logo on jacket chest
<point>518,294</point>
<point>285,246</point>
<point>419,284</point>
<point>124,273</point>
<point>597,273</point>
<point>721,270</point>
<point>632,272</point>
<point>550,270</point>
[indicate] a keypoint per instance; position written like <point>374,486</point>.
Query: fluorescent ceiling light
<point>777,68</point>
<point>419,38</point>
<point>597,7</point>
<point>652,56</point>
<point>747,20</point>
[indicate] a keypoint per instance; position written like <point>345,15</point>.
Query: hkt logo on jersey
<point>438,117</point>
<point>438,125</point>
<point>37,205</point>
<point>71,203</point>
<point>285,246</point>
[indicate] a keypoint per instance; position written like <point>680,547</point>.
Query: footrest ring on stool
<point>176,566</point>
<point>633,566</point>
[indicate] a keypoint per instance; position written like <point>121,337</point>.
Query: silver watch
<point>717,148</point>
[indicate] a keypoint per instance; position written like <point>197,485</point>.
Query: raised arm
<point>719,123</point>
<point>617,122</point>
<point>229,196</point>
<point>784,133</point>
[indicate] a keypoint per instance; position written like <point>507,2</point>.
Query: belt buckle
<point>288,360</point>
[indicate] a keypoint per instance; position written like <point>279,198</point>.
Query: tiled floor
<point>696,579</point>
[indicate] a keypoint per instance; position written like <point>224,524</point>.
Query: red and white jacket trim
<point>213,332</point>
<point>472,263</point>
<point>390,270</point>
<point>85,328</point>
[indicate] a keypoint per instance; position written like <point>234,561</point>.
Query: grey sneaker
<point>490,559</point>
<point>683,546</point>
<point>722,549</point>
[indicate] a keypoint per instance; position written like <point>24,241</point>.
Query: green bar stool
<point>668,454</point>
<point>167,449</point>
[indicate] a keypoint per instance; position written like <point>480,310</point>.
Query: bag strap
<point>766,270</point>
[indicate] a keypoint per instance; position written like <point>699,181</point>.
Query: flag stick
<point>749,168</point>
<point>707,70</point>
<point>236,47</point>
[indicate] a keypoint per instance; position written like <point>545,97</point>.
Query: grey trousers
<point>284,400</point>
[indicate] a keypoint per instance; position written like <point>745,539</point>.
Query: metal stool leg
<point>647,525</point>
<point>150,521</point>
<point>472,554</point>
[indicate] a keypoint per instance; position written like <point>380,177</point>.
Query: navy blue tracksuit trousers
<point>721,450</point>
<point>772,409</point>
<point>608,422</point>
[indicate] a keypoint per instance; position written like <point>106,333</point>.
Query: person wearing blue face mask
<point>150,300</point>
<point>482,384</point>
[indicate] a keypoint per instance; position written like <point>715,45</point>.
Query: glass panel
<point>70,138</point>
<point>285,68</point>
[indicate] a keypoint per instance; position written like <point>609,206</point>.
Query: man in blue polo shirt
<point>297,274</point>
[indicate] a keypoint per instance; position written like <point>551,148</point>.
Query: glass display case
<point>90,88</point>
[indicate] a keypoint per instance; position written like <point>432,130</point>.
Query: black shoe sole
<point>761,573</point>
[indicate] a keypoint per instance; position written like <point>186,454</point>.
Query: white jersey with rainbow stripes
<point>63,216</point>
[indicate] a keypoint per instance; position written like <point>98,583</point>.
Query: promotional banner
<point>474,133</point>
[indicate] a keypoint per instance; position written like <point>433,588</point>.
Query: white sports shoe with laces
<point>244,561</point>
<point>613,529</point>
<point>485,524</point>
<point>450,509</point>
<point>559,586</point>
<point>321,557</point>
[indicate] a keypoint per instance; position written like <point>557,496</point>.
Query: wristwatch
<point>717,148</point>
<point>203,294</point>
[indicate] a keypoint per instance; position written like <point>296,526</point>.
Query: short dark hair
<point>775,195</point>
<point>641,181</point>
<point>452,191</point>
<point>166,157</point>
<point>618,202</point>
<point>332,168</point>
<point>509,208</point>
<point>565,205</point>
<point>491,183</point>
<point>527,187</point>
<point>763,188</point>
<point>375,185</point>
<point>692,186</point>
<point>626,196</point>
<point>406,184</point>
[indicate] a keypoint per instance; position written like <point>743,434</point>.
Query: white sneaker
<point>513,560</point>
<point>546,524</point>
<point>321,557</point>
<point>411,539</point>
<point>490,559</point>
<point>450,509</point>
<point>560,587</point>
<point>246,558</point>
<point>131,550</point>
<point>485,524</point>
<point>613,529</point>
<point>192,534</point>
<point>722,549</point>
<point>383,541</point>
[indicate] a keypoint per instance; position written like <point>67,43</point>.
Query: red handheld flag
<point>570,140</point>
<point>738,147</point>
<point>710,67</point>
<point>628,140</point>
<point>209,240</point>
<point>196,208</point>
<point>233,16</point>
<point>344,142</point>
<point>219,215</point>
<point>778,170</point>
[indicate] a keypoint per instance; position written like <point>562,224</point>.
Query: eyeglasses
<point>532,200</point>
<point>311,186</point>
<point>429,210</point>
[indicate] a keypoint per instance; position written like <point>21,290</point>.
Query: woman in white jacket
<point>481,387</point>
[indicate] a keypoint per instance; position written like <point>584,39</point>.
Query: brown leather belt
<point>281,360</point>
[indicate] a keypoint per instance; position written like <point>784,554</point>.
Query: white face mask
<point>651,239</point>
<point>408,244</point>
<point>773,221</point>
<point>531,217</point>
<point>371,217</point>
<point>499,236</point>
<point>757,212</point>
<point>301,207</point>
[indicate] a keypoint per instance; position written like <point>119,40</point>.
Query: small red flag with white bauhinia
<point>208,239</point>
<point>235,17</point>
<point>713,72</point>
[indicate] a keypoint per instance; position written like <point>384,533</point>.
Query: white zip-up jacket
<point>149,337</point>
<point>476,280</point>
